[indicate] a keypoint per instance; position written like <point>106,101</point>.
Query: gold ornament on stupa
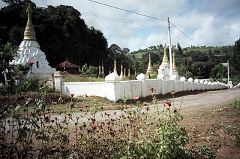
<point>174,60</point>
<point>29,33</point>
<point>149,69</point>
<point>102,69</point>
<point>99,71</point>
<point>115,66</point>
<point>121,74</point>
<point>165,57</point>
<point>124,73</point>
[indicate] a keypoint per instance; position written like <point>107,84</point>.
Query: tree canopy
<point>60,32</point>
<point>236,55</point>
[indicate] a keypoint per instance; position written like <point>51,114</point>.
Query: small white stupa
<point>29,51</point>
<point>163,71</point>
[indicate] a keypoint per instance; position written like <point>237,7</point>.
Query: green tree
<point>7,53</point>
<point>236,55</point>
<point>201,69</point>
<point>179,49</point>
<point>219,72</point>
<point>60,31</point>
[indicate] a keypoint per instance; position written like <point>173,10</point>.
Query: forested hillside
<point>197,62</point>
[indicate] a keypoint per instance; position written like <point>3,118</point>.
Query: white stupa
<point>29,51</point>
<point>164,70</point>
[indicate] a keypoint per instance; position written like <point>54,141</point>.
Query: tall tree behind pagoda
<point>60,32</point>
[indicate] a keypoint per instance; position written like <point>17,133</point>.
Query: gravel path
<point>206,99</point>
<point>187,103</point>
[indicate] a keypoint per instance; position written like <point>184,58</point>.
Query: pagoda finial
<point>115,66</point>
<point>149,69</point>
<point>29,33</point>
<point>165,57</point>
<point>99,71</point>
<point>102,68</point>
<point>121,74</point>
<point>174,60</point>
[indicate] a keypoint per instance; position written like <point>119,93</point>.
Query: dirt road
<point>207,99</point>
<point>211,121</point>
<point>187,103</point>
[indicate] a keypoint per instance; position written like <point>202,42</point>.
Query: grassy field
<point>80,78</point>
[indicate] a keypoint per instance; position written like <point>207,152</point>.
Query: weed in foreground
<point>129,133</point>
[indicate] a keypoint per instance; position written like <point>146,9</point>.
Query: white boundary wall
<point>116,89</point>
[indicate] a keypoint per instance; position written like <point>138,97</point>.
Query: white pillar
<point>58,81</point>
<point>112,91</point>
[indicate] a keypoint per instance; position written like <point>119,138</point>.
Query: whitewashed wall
<point>115,89</point>
<point>85,88</point>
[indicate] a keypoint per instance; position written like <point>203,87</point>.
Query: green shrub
<point>6,90</point>
<point>236,104</point>
<point>201,152</point>
<point>30,83</point>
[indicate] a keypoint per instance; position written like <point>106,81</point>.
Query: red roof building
<point>69,67</point>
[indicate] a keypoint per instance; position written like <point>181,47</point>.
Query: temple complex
<point>29,51</point>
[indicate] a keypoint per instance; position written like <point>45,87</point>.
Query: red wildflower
<point>94,126</point>
<point>167,103</point>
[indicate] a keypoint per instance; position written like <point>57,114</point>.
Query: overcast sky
<point>206,22</point>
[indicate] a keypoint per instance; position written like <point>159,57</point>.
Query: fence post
<point>141,77</point>
<point>112,82</point>
<point>58,82</point>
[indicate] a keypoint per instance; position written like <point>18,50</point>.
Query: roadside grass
<point>80,78</point>
<point>236,104</point>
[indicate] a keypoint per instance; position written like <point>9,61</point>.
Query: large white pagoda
<point>164,68</point>
<point>29,51</point>
<point>165,72</point>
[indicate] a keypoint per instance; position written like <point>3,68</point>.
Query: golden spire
<point>149,69</point>
<point>115,66</point>
<point>174,60</point>
<point>165,57</point>
<point>102,68</point>
<point>121,74</point>
<point>29,33</point>
<point>99,70</point>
